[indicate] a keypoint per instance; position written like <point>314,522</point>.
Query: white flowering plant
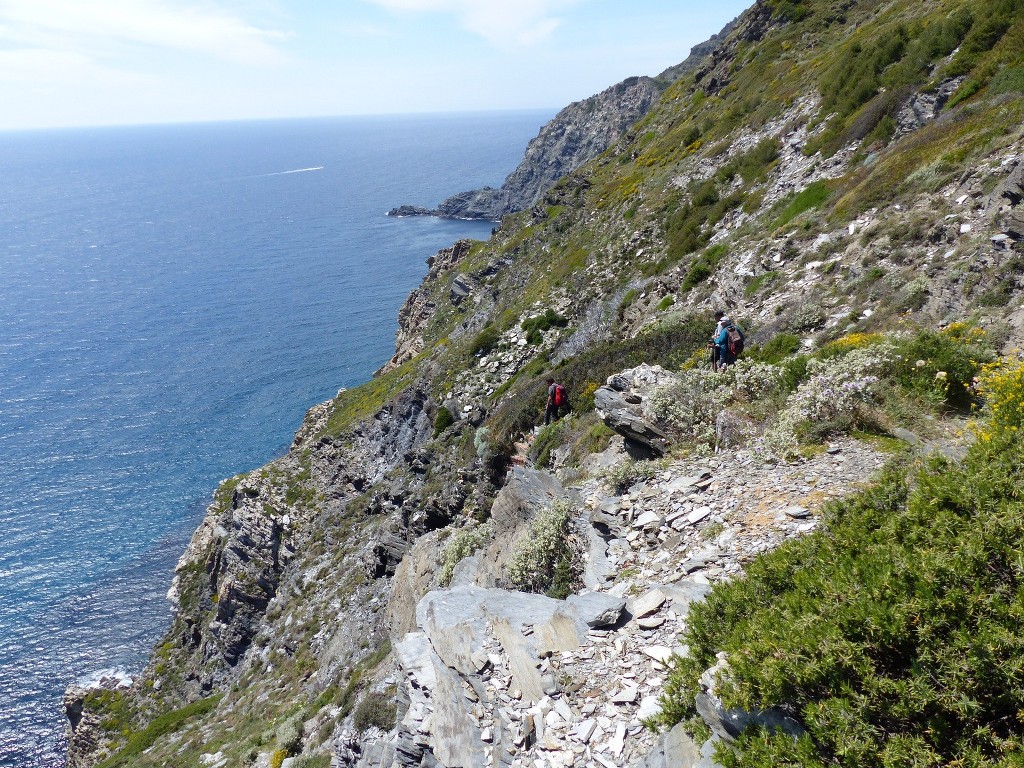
<point>544,559</point>
<point>462,543</point>
<point>834,394</point>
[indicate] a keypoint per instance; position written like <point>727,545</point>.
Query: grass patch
<point>163,725</point>
<point>364,400</point>
<point>813,196</point>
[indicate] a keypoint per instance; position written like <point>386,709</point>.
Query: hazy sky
<point>101,62</point>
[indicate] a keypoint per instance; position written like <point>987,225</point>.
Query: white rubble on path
<point>501,678</point>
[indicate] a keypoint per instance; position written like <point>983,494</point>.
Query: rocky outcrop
<point>715,71</point>
<point>495,677</point>
<point>576,135</point>
<point>84,731</point>
<point>623,401</point>
<point>1007,199</point>
<point>419,305</point>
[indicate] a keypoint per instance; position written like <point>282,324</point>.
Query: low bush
<point>545,442</point>
<point>545,559</point>
<point>289,735</point>
<point>377,709</point>
<point>485,341</point>
<point>941,365</point>
<point>444,419</point>
<point>892,635</point>
<point>777,347</point>
<point>536,326</point>
<point>623,476</point>
<point>704,266</point>
<point>461,544</point>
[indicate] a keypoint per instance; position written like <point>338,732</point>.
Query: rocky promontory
<point>576,135</point>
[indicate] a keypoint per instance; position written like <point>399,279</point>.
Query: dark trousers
<point>551,413</point>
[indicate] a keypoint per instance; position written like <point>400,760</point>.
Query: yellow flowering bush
<point>849,343</point>
<point>1001,386</point>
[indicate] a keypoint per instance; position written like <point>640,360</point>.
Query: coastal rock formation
<point>576,135</point>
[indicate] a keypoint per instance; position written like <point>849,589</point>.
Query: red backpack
<point>559,399</point>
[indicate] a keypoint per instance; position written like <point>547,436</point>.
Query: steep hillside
<point>846,180</point>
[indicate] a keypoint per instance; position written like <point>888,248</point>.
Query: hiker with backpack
<point>728,341</point>
<point>556,401</point>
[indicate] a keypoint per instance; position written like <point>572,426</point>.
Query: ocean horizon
<point>174,299</point>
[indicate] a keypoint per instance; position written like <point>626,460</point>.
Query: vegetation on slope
<point>892,635</point>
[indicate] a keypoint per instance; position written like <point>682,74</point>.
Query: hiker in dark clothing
<point>556,399</point>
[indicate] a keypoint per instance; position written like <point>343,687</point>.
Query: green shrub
<point>942,364</point>
<point>777,347</point>
<point>289,735</point>
<point>535,326</point>
<point>892,635</point>
<point>463,543</point>
<point>546,441</point>
<point>666,302</point>
<point>689,227</point>
<point>627,300</point>
<point>444,419</point>
<point>754,164</point>
<point>704,266</point>
<point>485,341</point>
<point>622,476</point>
<point>376,709</point>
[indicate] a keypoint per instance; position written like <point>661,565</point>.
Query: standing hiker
<point>728,341</point>
<point>556,399</point>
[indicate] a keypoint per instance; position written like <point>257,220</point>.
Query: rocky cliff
<point>428,578</point>
<point>577,134</point>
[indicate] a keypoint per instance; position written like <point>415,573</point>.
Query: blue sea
<point>172,300</point>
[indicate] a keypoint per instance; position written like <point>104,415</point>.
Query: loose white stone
<point>585,730</point>
<point>648,603</point>
<point>627,695</point>
<point>698,514</point>
<point>659,653</point>
<point>649,707</point>
<point>618,741</point>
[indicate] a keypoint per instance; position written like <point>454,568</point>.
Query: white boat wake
<point>297,170</point>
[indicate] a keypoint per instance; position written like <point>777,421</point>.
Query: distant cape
<point>574,137</point>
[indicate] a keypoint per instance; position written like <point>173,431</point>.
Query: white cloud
<point>503,23</point>
<point>101,28</point>
<point>41,65</point>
